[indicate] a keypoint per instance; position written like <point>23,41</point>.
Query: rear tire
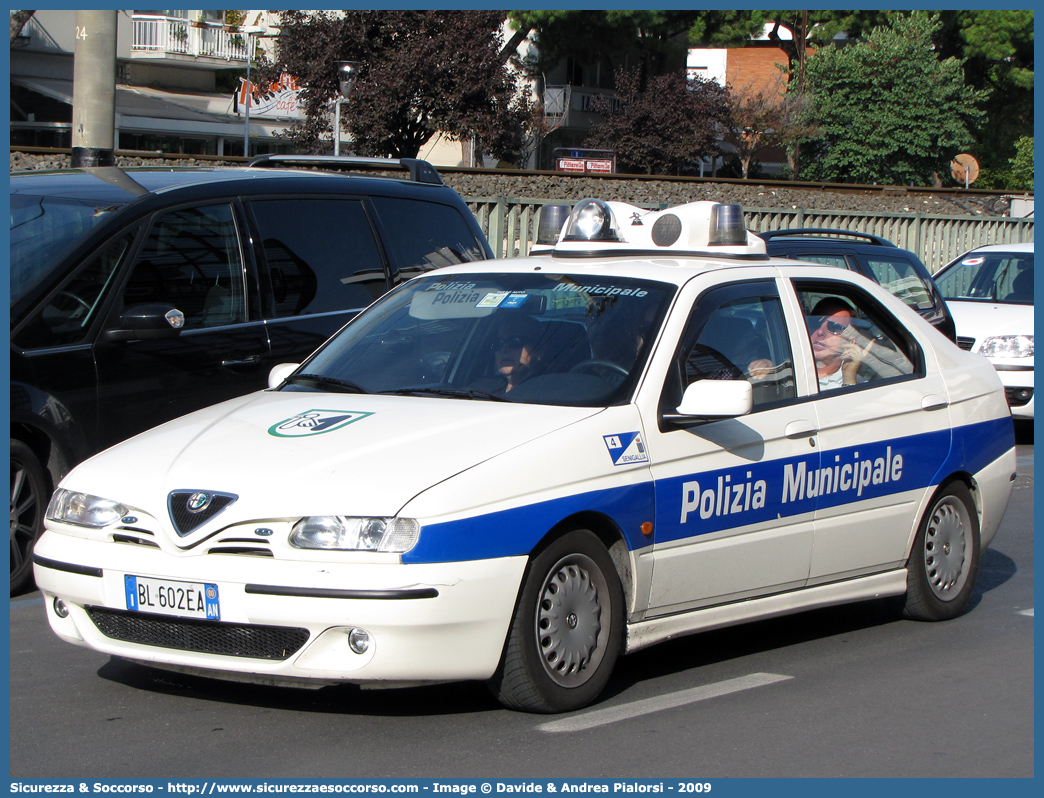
<point>29,499</point>
<point>945,557</point>
<point>567,629</point>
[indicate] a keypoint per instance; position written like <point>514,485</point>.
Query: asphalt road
<point>848,691</point>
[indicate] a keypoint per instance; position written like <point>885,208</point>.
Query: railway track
<point>853,189</point>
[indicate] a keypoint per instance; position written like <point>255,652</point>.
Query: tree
<point>890,110</point>
<point>660,130</point>
<point>997,48</point>
<point>764,116</point>
<point>1022,164</point>
<point>18,21</point>
<point>421,72</point>
<point>754,117</point>
<point>619,36</point>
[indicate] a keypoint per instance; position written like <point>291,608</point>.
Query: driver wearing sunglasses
<point>515,355</point>
<point>837,345</point>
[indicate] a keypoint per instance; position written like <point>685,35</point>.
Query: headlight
<point>1007,346</point>
<point>82,509</point>
<point>355,534</point>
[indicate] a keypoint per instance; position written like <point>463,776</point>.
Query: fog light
<point>59,608</point>
<point>359,640</point>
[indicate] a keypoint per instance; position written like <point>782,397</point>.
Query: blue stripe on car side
<point>516,531</point>
<point>711,501</point>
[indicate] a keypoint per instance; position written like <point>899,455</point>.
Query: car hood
<point>287,453</point>
<point>981,319</point>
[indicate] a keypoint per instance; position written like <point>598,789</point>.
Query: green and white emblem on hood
<point>315,422</point>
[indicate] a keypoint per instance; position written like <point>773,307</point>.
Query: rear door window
<point>853,340</point>
<point>321,255</point>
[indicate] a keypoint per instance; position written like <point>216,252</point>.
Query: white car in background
<point>989,291</point>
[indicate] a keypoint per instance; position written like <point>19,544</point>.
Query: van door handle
<point>799,429</point>
<point>934,401</point>
<point>253,360</point>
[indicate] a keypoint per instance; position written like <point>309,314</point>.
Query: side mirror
<point>712,399</point>
<point>147,322</point>
<point>280,373</point>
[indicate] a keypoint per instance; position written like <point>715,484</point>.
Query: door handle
<point>799,429</point>
<point>934,401</point>
<point>253,360</point>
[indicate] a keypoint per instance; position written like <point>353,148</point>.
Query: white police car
<point>517,470</point>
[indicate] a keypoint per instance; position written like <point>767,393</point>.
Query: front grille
<point>1017,397</point>
<point>205,637</point>
<point>965,343</point>
<point>187,520</point>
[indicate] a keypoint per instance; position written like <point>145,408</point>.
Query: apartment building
<point>179,85</point>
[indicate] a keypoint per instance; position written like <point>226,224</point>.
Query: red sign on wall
<point>597,161</point>
<point>570,165</point>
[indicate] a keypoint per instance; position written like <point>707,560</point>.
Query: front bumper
<point>439,622</point>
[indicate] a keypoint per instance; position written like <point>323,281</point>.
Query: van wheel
<point>28,504</point>
<point>567,630</point>
<point>945,557</point>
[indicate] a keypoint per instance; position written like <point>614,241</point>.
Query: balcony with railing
<point>177,38</point>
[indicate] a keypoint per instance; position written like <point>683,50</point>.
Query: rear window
<point>900,277</point>
<point>426,235</point>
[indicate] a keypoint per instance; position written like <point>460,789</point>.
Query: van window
<point>425,235</point>
<point>321,255</point>
<point>66,318</point>
<point>901,278</point>
<point>191,260</point>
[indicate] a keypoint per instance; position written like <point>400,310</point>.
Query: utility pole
<point>94,89</point>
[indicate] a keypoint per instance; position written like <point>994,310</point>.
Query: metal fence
<point>165,34</point>
<point>511,224</point>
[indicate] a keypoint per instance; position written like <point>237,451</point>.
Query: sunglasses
<point>514,342</point>
<point>832,326</point>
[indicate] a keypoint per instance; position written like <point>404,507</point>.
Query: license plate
<point>166,597</point>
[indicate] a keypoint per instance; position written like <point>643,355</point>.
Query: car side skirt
<point>647,633</point>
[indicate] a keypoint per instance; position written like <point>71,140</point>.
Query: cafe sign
<point>281,98</point>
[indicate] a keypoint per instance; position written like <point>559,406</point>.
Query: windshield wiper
<point>331,383</point>
<point>453,393</point>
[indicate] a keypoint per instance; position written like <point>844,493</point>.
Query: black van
<point>140,295</point>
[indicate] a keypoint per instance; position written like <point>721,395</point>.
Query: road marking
<point>602,717</point>
<point>1028,612</point>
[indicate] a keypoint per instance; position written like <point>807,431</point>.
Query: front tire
<point>567,630</point>
<point>945,557</point>
<point>28,502</point>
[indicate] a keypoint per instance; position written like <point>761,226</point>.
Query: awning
<point>148,109</point>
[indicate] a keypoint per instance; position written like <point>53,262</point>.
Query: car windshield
<point>989,277</point>
<point>43,229</point>
<point>534,338</point>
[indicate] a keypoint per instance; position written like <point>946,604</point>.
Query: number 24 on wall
<point>81,33</point>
